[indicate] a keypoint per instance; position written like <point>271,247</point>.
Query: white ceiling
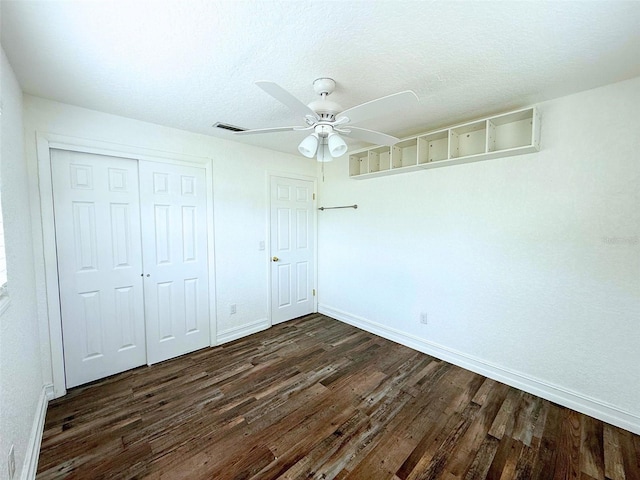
<point>190,63</point>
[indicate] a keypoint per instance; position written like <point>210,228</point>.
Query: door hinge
<point>314,196</point>
<point>314,292</point>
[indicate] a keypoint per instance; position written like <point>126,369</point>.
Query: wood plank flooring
<point>316,398</point>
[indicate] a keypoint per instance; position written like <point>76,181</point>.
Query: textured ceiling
<point>188,64</point>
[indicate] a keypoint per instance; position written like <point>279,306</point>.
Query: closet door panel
<point>174,225</point>
<point>97,218</point>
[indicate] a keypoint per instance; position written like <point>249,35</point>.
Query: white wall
<point>240,202</point>
<point>528,267</point>
<point>21,384</point>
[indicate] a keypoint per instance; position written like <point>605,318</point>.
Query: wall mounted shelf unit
<point>513,133</point>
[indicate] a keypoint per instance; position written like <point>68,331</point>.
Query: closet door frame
<point>44,143</point>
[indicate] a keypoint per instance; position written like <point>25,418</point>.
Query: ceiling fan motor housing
<point>326,109</point>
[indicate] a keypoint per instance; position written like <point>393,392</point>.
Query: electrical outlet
<point>423,318</point>
<point>11,462</point>
<point>232,308</point>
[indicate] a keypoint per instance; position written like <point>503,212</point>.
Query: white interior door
<point>174,225</point>
<point>97,221</point>
<point>292,248</point>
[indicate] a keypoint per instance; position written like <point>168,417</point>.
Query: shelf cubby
<point>379,159</point>
<point>510,131</point>
<point>508,134</point>
<point>433,147</point>
<point>469,139</point>
<point>358,164</point>
<point>405,153</point>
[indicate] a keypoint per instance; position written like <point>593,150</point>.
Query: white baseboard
<point>30,466</point>
<point>49,391</point>
<point>235,333</point>
<point>563,396</point>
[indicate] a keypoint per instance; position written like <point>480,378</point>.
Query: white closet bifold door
<point>97,221</point>
<point>174,237</point>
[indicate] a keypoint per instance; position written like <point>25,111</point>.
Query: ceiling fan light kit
<point>324,155</point>
<point>309,145</point>
<point>337,146</point>
<point>334,144</point>
<point>327,119</point>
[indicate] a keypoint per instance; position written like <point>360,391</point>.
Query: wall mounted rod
<point>332,208</point>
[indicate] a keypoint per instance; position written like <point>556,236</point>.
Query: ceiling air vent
<point>226,126</point>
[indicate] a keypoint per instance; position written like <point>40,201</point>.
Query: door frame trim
<point>46,236</point>
<point>292,176</point>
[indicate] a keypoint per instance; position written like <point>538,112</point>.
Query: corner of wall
<point>581,403</point>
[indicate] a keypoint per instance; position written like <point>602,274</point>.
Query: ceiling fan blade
<point>380,107</point>
<point>280,94</point>
<point>370,136</point>
<point>272,130</point>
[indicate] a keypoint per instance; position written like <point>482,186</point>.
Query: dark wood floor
<point>315,398</point>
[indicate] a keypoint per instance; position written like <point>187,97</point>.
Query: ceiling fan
<point>329,121</point>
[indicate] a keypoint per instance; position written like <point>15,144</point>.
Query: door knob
<point>275,259</point>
